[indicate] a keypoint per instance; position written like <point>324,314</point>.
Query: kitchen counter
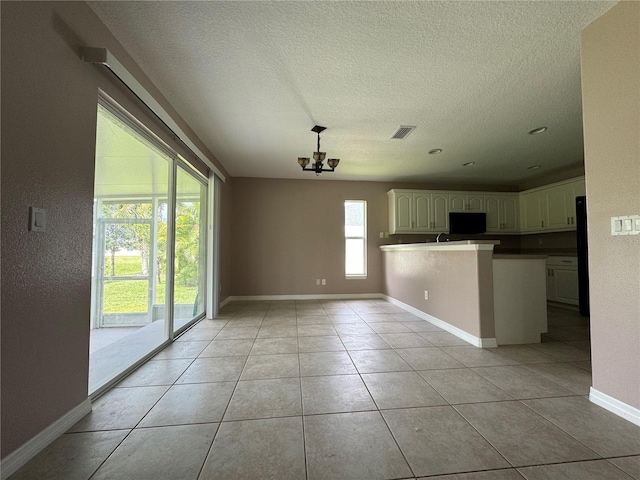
<point>517,256</point>
<point>451,246</point>
<point>466,289</point>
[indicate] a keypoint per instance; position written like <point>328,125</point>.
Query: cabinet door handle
<point>411,224</point>
<point>568,221</point>
<point>542,223</point>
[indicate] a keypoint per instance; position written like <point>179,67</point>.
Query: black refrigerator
<point>583,255</point>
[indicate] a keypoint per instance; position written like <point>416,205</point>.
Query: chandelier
<point>318,157</point>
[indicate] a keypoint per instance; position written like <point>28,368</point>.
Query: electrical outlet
<point>381,234</point>
<point>324,281</point>
<point>426,295</point>
<point>317,281</point>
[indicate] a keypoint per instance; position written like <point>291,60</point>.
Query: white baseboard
<point>467,337</point>
<point>16,459</point>
<point>615,406</point>
<point>325,296</point>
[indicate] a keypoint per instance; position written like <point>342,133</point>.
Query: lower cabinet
<point>562,280</point>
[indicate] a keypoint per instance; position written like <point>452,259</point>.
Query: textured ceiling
<point>253,78</point>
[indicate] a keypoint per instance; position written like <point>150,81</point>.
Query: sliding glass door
<point>190,248</point>
<point>138,234</point>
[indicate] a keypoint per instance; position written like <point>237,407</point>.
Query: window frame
<point>358,276</point>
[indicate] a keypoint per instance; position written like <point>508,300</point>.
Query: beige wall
<point>287,233</point>
<point>611,104</point>
<point>460,286</point>
<point>49,99</point>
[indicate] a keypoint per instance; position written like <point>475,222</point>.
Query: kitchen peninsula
<point>466,289</point>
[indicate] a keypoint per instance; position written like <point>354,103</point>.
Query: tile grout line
<point>600,457</point>
<point>380,412</point>
<point>553,361</point>
<point>209,450</point>
<point>143,417</point>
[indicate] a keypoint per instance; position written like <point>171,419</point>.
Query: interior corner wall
<point>226,238</point>
<point>611,105</point>
<point>288,233</point>
<point>49,107</point>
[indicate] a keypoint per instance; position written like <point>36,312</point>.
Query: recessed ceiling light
<point>537,131</point>
<point>435,151</point>
<point>468,164</point>
<point>534,167</point>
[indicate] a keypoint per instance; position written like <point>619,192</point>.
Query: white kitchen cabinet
<point>561,205</point>
<point>415,211</point>
<point>422,204</point>
<point>401,212</point>
<point>532,208</point>
<point>545,209</point>
<point>562,280</point>
<point>463,202</point>
<point>440,212</point>
<point>574,189</point>
<point>502,212</point>
<point>551,208</point>
<point>556,212</point>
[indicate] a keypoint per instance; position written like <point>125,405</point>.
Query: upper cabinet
<point>502,212</point>
<point>532,208</point>
<point>440,212</point>
<point>415,211</point>
<point>551,208</point>
<point>463,202</point>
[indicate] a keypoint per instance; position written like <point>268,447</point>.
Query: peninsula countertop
<point>457,245</point>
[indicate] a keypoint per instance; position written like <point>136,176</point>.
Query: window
<point>355,238</point>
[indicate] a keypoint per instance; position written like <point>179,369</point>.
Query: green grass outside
<point>130,296</point>
<point>125,266</point>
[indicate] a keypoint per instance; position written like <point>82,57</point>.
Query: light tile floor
<point>349,390</point>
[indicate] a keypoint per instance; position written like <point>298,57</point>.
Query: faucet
<point>438,237</point>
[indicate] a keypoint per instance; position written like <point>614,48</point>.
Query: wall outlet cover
<point>37,219</point>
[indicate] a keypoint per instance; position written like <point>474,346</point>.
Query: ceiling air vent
<point>402,132</point>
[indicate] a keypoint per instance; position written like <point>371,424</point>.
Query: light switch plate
<point>37,219</point>
<point>625,225</point>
